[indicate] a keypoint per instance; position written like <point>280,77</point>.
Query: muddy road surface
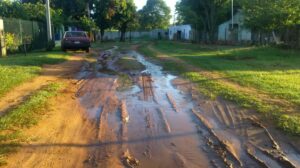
<point>159,121</point>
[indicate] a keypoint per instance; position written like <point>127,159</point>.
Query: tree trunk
<point>123,32</point>
<point>276,39</point>
<point>102,35</point>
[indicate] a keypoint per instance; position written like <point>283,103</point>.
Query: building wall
<point>186,32</point>
<point>225,33</point>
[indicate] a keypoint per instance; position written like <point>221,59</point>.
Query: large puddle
<point>159,123</point>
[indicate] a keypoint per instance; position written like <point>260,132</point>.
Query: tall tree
<point>277,16</point>
<point>28,11</point>
<point>124,16</point>
<point>103,14</point>
<point>72,10</point>
<point>205,15</point>
<point>155,15</point>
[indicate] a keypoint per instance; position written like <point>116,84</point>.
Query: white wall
<point>186,31</point>
<point>224,32</point>
<point>115,35</point>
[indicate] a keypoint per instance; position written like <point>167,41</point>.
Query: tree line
<point>280,18</point>
<point>92,15</point>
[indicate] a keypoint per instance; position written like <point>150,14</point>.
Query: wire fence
<point>23,35</point>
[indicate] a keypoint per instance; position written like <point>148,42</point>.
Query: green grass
<point>17,69</point>
<point>128,63</point>
<point>24,116</point>
<point>124,82</point>
<point>271,71</point>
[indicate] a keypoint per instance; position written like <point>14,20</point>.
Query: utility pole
<point>48,19</point>
<point>232,14</point>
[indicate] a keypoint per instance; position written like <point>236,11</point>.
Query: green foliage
<point>204,15</point>
<point>290,124</point>
<point>104,12</point>
<point>87,24</point>
<point>28,11</point>
<point>50,45</point>
<point>269,15</point>
<point>155,15</point>
<point>119,14</point>
<point>12,42</point>
<point>124,15</point>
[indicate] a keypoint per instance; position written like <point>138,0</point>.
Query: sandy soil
<point>50,73</point>
<point>161,121</point>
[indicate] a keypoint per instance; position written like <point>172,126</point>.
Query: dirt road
<point>160,121</point>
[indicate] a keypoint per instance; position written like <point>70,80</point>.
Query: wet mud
<point>162,121</point>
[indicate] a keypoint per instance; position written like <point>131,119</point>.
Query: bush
<point>50,45</point>
<point>290,124</point>
<point>12,42</point>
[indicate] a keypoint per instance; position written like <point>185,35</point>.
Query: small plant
<point>12,42</point>
<point>50,45</point>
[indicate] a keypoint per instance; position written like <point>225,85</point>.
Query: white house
<point>180,32</point>
<point>235,32</point>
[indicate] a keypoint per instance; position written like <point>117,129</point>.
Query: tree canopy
<point>204,15</point>
<point>28,11</point>
<point>155,15</point>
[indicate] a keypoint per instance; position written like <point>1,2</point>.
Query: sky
<point>170,3</point>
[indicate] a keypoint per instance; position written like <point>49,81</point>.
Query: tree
<point>28,11</point>
<point>155,15</point>
<point>124,15</point>
<point>72,10</point>
<point>205,15</point>
<point>87,24</point>
<point>103,14</point>
<point>276,16</point>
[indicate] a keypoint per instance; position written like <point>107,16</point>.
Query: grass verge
<point>24,116</point>
<point>128,63</point>
<point>17,69</point>
<point>237,63</point>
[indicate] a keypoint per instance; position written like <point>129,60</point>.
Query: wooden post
<point>2,40</point>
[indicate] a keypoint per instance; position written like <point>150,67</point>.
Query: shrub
<point>12,42</point>
<point>50,45</point>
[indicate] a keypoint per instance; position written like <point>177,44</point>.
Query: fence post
<point>2,40</point>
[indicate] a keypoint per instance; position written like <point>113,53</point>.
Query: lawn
<point>270,71</point>
<point>17,69</point>
<point>274,71</point>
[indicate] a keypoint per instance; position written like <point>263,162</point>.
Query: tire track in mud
<point>147,87</point>
<point>228,136</point>
<point>258,143</point>
<point>218,145</point>
<point>172,102</point>
<point>165,122</point>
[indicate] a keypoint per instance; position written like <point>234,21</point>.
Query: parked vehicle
<point>75,40</point>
